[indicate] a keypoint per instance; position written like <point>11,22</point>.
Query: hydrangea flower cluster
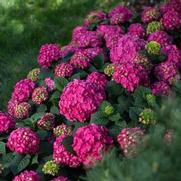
<point>64,70</point>
<point>27,175</point>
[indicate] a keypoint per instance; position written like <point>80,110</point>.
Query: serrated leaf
<point>54,110</point>
<point>23,163</point>
<point>67,142</point>
<point>2,148</point>
<point>60,83</point>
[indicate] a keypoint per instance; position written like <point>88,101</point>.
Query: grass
<point>27,24</point>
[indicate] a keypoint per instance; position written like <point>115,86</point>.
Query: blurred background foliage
<point>26,24</point>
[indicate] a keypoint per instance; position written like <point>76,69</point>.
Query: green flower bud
<point>109,70</point>
<point>109,110</point>
<point>50,168</point>
<point>153,48</point>
<point>34,74</point>
<point>151,99</point>
<point>147,117</point>
<point>153,26</point>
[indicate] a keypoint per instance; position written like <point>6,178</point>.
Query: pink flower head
<point>171,5</point>
<point>23,90</point>
<point>11,106</point>
<point>23,141</point>
<point>136,29</point>
<point>27,175</point>
<point>160,37</point>
<point>95,17</point>
<point>48,54</point>
<point>7,123</point>
<point>22,110</point>
<point>173,54</point>
<point>129,139</point>
<point>166,72</point>
<point>91,53</point>
<point>80,99</point>
<point>120,14</point>
<point>70,48</point>
<point>47,121</point>
<point>130,76</point>
<point>64,70</point>
<point>50,84</point>
<point>89,143</point>
<point>83,38</point>
<point>160,88</point>
<point>126,49</point>
<point>62,129</point>
<point>39,95</point>
<point>150,14</point>
<point>62,156</point>
<point>98,79</point>
<point>60,178</point>
<point>80,60</point>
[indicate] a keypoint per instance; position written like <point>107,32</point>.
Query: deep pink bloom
<point>64,70</point>
<point>60,178</point>
<point>22,110</point>
<point>160,88</point>
<point>129,139</point>
<point>39,95</point>
<point>62,156</point>
<point>50,84</point>
<point>80,99</point>
<point>48,54</point>
<point>166,72</point>
<point>136,29</point>
<point>23,141</point>
<point>11,106</point>
<point>120,14</point>
<point>7,123</point>
<point>90,142</point>
<point>98,79</point>
<point>130,76</point>
<point>23,90</point>
<point>150,14</point>
<point>173,5</point>
<point>126,49</point>
<point>27,175</point>
<point>171,20</point>
<point>161,37</point>
<point>47,121</point>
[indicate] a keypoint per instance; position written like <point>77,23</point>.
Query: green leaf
<point>55,95</point>
<point>15,162</point>
<point>67,142</point>
<point>42,108</point>
<point>60,83</point>
<point>99,118</point>
<point>23,163</point>
<point>45,73</point>
<point>67,57</point>
<point>115,117</point>
<point>34,160</point>
<point>134,113</point>
<point>46,148</point>
<point>54,110</point>
<point>42,134</point>
<point>37,116</point>
<point>2,148</point>
<point>80,75</point>
<point>98,61</point>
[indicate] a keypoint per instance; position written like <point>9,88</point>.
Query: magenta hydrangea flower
<point>50,84</point>
<point>23,141</point>
<point>27,175</point>
<point>173,54</point>
<point>62,156</point>
<point>166,72</point>
<point>22,110</point>
<point>129,139</point>
<point>160,37</point>
<point>60,178</point>
<point>48,54</point>
<point>120,14</point>
<point>62,129</point>
<point>171,5</point>
<point>130,76</point>
<point>7,123</point>
<point>95,17</point>
<point>98,79</point>
<point>70,48</point>
<point>39,95</point>
<point>150,14</point>
<point>11,106</point>
<point>171,20</point>
<point>64,70</point>
<point>160,88</point>
<point>80,99</point>
<point>23,90</point>
<point>127,49</point>
<point>80,60</point>
<point>89,143</point>
<point>136,29</point>
<point>47,121</point>
<point>91,53</point>
<point>83,38</point>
